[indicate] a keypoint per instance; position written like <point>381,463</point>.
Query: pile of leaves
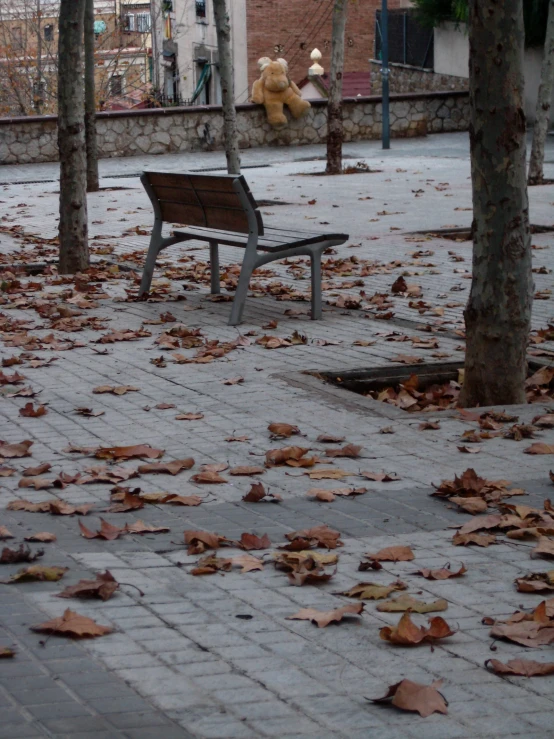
<point>409,397</point>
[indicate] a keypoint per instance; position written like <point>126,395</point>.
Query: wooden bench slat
<point>205,197</point>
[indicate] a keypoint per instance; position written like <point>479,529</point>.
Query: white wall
<point>452,57</point>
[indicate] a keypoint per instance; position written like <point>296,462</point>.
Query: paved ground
<point>183,660</point>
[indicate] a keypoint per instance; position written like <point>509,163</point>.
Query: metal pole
<point>385,74</point>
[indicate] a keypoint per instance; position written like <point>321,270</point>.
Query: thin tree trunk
<point>38,92</point>
<point>335,129</point>
<point>93,182</point>
<point>542,118</point>
<point>498,314</point>
<point>74,252</point>
<point>226,73</point>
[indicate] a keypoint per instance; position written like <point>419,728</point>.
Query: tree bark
<point>335,129</point>
<point>38,92</point>
<point>93,182</point>
<point>542,118</point>
<point>73,232</point>
<point>498,313</point>
<point>226,73</point>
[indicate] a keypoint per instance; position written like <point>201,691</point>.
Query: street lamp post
<point>385,72</point>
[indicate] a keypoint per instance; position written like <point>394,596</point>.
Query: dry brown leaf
<point>251,541</point>
<point>139,527</point>
<point>392,554</point>
<point>324,618</point>
<point>444,573</point>
<point>328,473</point>
<point>410,696</point>
<point>372,590</point>
<point>29,411</point>
<point>210,564</point>
<point>73,625</point>
<point>38,572</point>
<point>21,554</point>
<point>538,448</point>
<point>171,499</point>
<point>280,456</point>
<point>257,493</point>
<point>480,540</point>
<point>245,470</point>
<point>15,450</point>
<point>406,633</point>
<point>328,496</point>
<point>544,548</point>
<point>429,426</point>
<point>38,483</point>
<point>103,587</point>
<point>545,421</point>
<point>208,478</point>
<point>526,633</point>
<point>407,359</point>
<point>43,537</point>
<point>248,562</point>
<point>107,531</point>
<point>115,390</point>
<point>282,430</point>
<point>128,502</point>
<point>471,505</point>
<point>37,471</point>
<point>321,536</point>
<point>380,476</point>
<point>5,534</point>
<point>330,439</point>
<point>189,416</point>
<point>407,602</point>
<point>88,412</point>
<point>6,653</point>
<point>350,450</point>
<point>523,667</point>
<point>6,471</point>
<point>536,582</point>
<point>137,451</point>
<point>171,468</point>
<point>199,541</point>
<point>234,381</point>
<point>481,522</point>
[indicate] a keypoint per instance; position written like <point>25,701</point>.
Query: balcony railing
<point>200,8</point>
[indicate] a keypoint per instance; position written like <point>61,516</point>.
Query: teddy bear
<point>275,89</point>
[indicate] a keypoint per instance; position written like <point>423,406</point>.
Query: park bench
<point>220,209</point>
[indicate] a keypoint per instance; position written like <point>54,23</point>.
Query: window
<point>116,85</point>
<point>200,8</point>
<point>140,22</point>
<point>49,33</point>
<point>17,38</point>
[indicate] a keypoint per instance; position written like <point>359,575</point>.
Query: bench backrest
<point>221,202</point>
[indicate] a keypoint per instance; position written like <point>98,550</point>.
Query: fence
<point>409,41</point>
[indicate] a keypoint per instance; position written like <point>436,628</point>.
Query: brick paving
<point>180,663</point>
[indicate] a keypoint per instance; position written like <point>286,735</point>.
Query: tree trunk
<point>74,253</point>
<point>542,119</point>
<point>93,182</point>
<point>498,313</point>
<point>335,130</point>
<point>38,91</point>
<point>226,73</point>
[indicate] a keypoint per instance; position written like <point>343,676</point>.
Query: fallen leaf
<point>171,499</point>
<point>73,625</point>
<point>526,633</point>
<point>189,416</point>
<point>115,390</point>
<point>29,411</point>
<point>330,439</point>
<point>280,456</point>
<point>350,450</point>
<point>246,471</point>
<point>545,421</point>
<point>237,438</point>
<point>128,502</point>
<point>22,554</point>
<point>481,522</point>
<point>15,450</point>
<point>257,493</point>
<point>429,426</point>
<point>444,573</point>
<point>88,412</point>
<point>472,505</point>
<point>251,541</point>
<point>38,483</point>
<point>199,541</point>
<point>38,572</point>
<point>410,696</point>
<point>328,473</point>
<point>211,564</point>
<point>208,478</point>
<point>392,554</point>
<point>42,536</point>
<point>138,451</point>
<point>380,476</point>
<point>407,359</point>
<point>407,602</point>
<point>139,527</point>
<point>469,450</point>
<point>538,448</point>
<point>282,430</point>
<point>406,633</point>
<point>372,590</point>
<point>248,562</point>
<point>6,471</point>
<point>328,496</point>
<point>6,653</point>
<point>107,531</point>
<point>480,540</point>
<point>321,536</point>
<point>234,381</point>
<point>5,534</point>
<point>324,618</point>
<point>544,548</point>
<point>103,587</point>
<point>36,471</point>
<point>171,468</point>
<point>523,667</point>
<point>536,582</point>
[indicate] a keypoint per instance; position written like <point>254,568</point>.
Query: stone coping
<point>395,97</point>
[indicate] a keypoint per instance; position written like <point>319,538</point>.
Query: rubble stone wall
<point>163,131</point>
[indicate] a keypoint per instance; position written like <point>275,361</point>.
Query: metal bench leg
<point>150,264</point>
<point>316,286</point>
<point>214,268</point>
<point>248,266</point>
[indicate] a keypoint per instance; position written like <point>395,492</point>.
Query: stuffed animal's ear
<point>284,63</point>
<point>264,62</point>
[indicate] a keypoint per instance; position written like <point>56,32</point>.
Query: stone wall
<point>163,131</point>
<point>404,78</point>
